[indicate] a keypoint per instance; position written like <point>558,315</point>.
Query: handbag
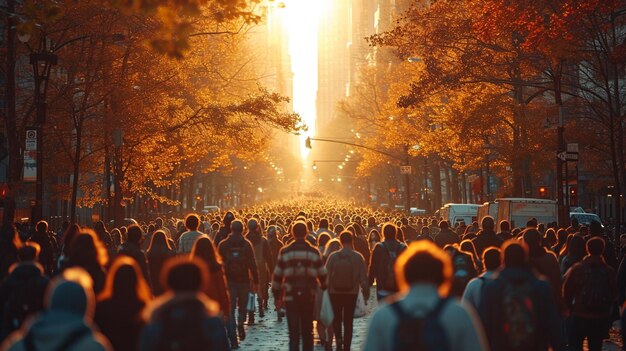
<point>251,302</point>
<point>326,309</point>
<point>361,309</point>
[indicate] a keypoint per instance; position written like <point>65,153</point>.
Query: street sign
<point>31,140</point>
<point>405,169</point>
<point>567,156</point>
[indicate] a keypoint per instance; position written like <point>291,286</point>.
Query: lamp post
<point>42,61</point>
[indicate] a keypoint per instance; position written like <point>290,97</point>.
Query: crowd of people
<point>194,283</point>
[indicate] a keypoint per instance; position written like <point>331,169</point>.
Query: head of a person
<point>373,236</point>
<point>371,222</point>
<point>488,224</point>
<point>41,227</point>
<point>159,242</point>
<point>323,223</point>
<point>204,249</point>
<point>29,252</point>
<point>125,283</point>
<point>184,274</point>
<point>86,250</point>
<point>229,217</point>
<point>505,226</point>
<point>68,236</point>
<point>158,223</point>
<point>100,227</point>
<point>532,238</point>
<point>332,246</point>
<point>253,225</point>
<point>561,236</point>
<point>595,228</point>
<point>424,263</point>
<point>192,222</point>
<point>299,229</point>
<point>390,231</point>
<point>595,246</point>
<point>468,246</point>
<point>236,227</point>
<point>323,239</point>
<point>425,230</point>
<point>134,234</point>
<point>532,223</point>
<point>514,254</point>
<point>346,238</point>
<point>443,225</point>
<point>491,258</point>
<point>72,294</point>
<point>574,222</point>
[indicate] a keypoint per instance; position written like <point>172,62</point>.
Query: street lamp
<point>42,61</point>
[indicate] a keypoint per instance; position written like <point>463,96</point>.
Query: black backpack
<point>183,327</point>
<point>420,333</point>
<point>595,295</point>
<point>390,283</point>
<point>342,277</point>
<point>236,264</point>
<point>519,311</point>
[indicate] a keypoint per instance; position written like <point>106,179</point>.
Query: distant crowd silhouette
<point>196,283</point>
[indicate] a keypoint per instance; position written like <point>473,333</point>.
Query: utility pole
<point>407,179</point>
<point>560,195</point>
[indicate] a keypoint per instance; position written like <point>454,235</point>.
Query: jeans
<point>300,324</point>
<point>238,299</point>
<point>594,329</point>
<point>343,308</point>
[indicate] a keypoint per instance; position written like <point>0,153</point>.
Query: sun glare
<point>302,19</point>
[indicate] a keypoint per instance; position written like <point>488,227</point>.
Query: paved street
<point>269,334</point>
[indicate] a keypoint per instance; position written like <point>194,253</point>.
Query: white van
<point>488,209</point>
<point>518,211</point>
<point>457,213</point>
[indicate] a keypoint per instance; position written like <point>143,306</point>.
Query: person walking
<point>589,291</point>
<point>518,310</point>
<point>159,251</point>
<point>184,318</point>
<point>216,289</point>
<point>487,236</point>
<point>347,274</point>
<point>239,265</point>
<point>188,238</point>
<point>446,236</point>
<point>264,263</point>
<point>491,260</point>
<point>422,319</point>
<point>119,307</point>
<point>384,255</point>
<point>299,270</point>
<point>66,323</point>
<point>132,248</point>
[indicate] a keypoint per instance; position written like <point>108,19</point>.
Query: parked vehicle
<point>457,213</point>
<point>488,209</point>
<point>585,218</point>
<point>518,211</point>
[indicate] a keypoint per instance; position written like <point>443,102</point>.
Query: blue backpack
<point>424,333</point>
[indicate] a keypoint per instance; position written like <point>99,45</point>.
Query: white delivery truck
<point>457,213</point>
<point>518,211</point>
<point>488,209</point>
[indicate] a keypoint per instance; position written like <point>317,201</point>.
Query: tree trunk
<point>14,170</point>
<point>76,165</point>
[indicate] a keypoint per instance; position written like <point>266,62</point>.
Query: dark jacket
<point>156,260</point>
<point>24,287</point>
<point>361,246</point>
<point>486,239</point>
<point>190,314</point>
<point>379,262</point>
<point>263,255</point>
<point>575,281</point>
<point>222,234</point>
<point>445,237</point>
<point>121,322</point>
<point>549,323</point>
<point>236,240</point>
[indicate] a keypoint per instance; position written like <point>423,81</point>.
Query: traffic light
<point>543,192</point>
<point>307,143</point>
<point>573,195</point>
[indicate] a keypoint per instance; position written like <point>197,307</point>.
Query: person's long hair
<point>70,233</point>
<point>204,249</point>
<point>87,250</point>
<point>159,243</point>
<point>332,246</point>
<point>125,283</point>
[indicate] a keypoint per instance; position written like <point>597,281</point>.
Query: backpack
<point>72,339</point>
<point>420,333</point>
<point>236,262</point>
<point>390,282</point>
<point>595,295</point>
<point>462,273</point>
<point>183,327</point>
<point>342,276</point>
<point>519,315</point>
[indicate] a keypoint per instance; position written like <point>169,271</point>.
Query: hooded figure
<point>66,323</point>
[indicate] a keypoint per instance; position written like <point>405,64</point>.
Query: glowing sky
<point>302,22</point>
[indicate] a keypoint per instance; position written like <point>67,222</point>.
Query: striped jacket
<point>299,270</point>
